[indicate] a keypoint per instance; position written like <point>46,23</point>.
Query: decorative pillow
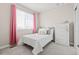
<point>51,30</point>
<point>42,31</point>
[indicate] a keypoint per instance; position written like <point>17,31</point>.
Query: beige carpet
<point>50,49</point>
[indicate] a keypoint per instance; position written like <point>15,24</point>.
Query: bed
<point>37,41</point>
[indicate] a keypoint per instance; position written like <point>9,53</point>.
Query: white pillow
<point>51,30</point>
<point>42,31</point>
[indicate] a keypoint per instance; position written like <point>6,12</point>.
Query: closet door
<point>77,28</point>
<point>62,34</point>
<point>77,25</point>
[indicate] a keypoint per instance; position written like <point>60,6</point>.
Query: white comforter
<point>37,41</point>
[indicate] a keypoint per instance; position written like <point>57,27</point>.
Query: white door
<point>77,26</point>
<point>77,29</point>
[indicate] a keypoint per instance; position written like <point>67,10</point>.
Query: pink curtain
<point>13,26</point>
<point>34,26</point>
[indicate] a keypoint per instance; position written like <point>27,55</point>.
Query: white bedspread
<point>37,41</point>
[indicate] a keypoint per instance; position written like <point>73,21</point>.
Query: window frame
<point>25,27</point>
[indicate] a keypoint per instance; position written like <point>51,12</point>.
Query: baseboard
<point>5,46</point>
<point>63,44</point>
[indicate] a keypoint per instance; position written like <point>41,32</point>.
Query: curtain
<point>13,26</point>
<point>34,26</point>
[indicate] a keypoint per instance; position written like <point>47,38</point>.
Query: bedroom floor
<point>50,49</point>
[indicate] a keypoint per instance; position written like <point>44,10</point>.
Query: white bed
<point>37,41</point>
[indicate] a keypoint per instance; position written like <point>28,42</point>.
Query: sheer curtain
<point>34,25</point>
<point>24,20</point>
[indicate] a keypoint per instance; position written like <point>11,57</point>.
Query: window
<point>24,20</point>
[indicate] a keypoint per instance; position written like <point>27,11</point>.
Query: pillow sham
<point>43,31</point>
<point>51,30</point>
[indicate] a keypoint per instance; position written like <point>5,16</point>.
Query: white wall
<point>57,15</point>
<point>4,24</point>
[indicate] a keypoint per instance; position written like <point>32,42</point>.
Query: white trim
<point>5,46</point>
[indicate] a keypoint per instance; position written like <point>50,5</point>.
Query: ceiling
<point>41,7</point>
